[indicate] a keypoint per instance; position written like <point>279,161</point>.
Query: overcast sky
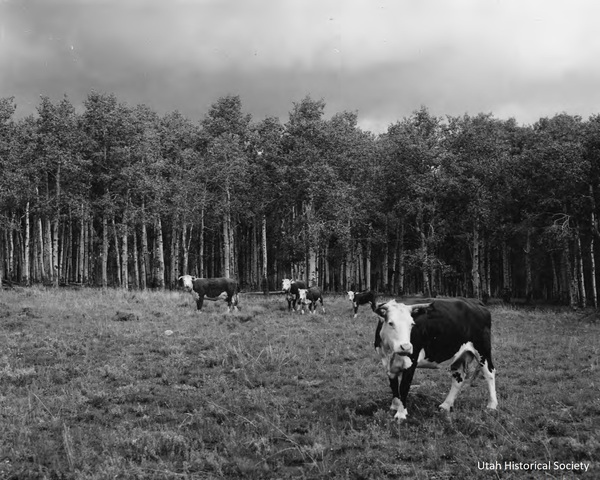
<point>382,58</point>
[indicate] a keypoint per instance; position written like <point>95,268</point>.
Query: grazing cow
<point>310,297</point>
<point>454,332</point>
<point>211,289</point>
<point>290,288</point>
<point>362,298</point>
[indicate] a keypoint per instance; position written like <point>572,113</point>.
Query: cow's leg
<point>487,368</point>
<point>397,404</point>
<point>232,301</point>
<point>461,376</point>
<point>490,378</point>
<point>405,383</point>
<point>199,302</point>
<point>322,307</point>
<point>355,309</point>
<point>377,342</point>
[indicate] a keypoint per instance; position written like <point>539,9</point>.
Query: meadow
<point>139,385</point>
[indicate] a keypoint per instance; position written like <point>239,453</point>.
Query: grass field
<point>94,386</point>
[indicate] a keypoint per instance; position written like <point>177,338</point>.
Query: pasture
<point>160,391</point>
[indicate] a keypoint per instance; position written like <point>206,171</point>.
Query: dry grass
<point>93,387</point>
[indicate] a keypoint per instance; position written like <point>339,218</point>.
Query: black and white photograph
<point>299,239</point>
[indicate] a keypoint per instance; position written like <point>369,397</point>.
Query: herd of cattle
<point>450,332</point>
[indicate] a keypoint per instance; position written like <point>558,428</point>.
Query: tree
<point>103,125</point>
<point>265,158</point>
<point>64,173</point>
<point>471,174</point>
<point>303,147</point>
<point>7,176</point>
<point>554,172</point>
<point>411,161</point>
<point>225,132</point>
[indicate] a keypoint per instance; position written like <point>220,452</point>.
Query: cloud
<point>384,58</point>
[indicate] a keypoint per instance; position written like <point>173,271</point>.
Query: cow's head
<point>286,285</point>
<point>302,294</point>
<point>351,296</point>
<point>397,323</point>
<point>187,282</point>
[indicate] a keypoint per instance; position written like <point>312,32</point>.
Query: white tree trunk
<point>264,253</point>
<point>104,251</point>
<point>26,268</point>
<point>475,277</point>
<point>125,258</point>
<point>160,256</point>
<point>81,252</point>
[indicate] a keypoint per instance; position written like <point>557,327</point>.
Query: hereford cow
<point>454,332</point>
<point>362,298</point>
<point>310,297</point>
<point>290,288</point>
<point>211,289</point>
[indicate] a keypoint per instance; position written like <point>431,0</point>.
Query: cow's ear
<point>419,308</point>
<point>381,310</point>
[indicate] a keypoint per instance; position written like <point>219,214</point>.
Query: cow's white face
<point>351,296</point>
<point>187,281</point>
<point>302,294</point>
<point>395,335</point>
<point>286,285</point>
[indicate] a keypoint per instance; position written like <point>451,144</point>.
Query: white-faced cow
<point>290,288</point>
<point>310,297</point>
<point>362,298</point>
<point>454,332</point>
<point>211,289</point>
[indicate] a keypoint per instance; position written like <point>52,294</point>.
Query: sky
<point>383,59</point>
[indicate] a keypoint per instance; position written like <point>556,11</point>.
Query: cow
<point>211,289</point>
<point>454,332</point>
<point>290,288</point>
<point>310,297</point>
<point>362,298</point>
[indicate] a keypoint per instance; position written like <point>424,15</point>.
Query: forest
<point>113,195</point>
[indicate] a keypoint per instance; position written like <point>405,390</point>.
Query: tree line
<point>118,195</point>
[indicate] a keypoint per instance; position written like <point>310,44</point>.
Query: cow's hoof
<point>445,408</point>
<point>492,406</point>
<point>401,415</point>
